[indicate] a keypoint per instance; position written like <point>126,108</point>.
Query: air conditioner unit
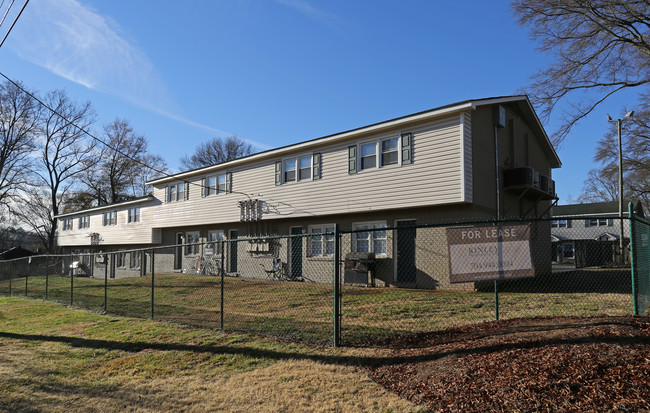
<point>518,177</point>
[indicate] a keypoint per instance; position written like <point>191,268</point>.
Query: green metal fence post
<point>27,273</point>
<point>496,299</point>
<point>153,288</point>
<point>337,282</point>
<point>47,275</point>
<point>10,278</point>
<point>635,308</point>
<point>223,271</point>
<point>71,280</point>
<point>105,282</point>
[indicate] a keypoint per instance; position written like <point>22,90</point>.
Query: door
<point>233,250</point>
<point>405,266</point>
<point>178,259</point>
<point>295,256</point>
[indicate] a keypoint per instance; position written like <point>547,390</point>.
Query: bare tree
<point>63,149</point>
<point>217,150</point>
<point>600,47</point>
<point>118,170</point>
<point>18,126</point>
<point>603,181</point>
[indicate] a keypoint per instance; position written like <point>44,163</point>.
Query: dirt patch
<point>538,364</point>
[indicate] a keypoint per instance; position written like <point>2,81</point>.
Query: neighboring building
<point>431,166</point>
<point>588,234</point>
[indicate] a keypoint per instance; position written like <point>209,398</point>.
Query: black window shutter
<point>187,190</point>
<point>166,194</point>
<point>352,159</point>
<point>203,189</point>
<point>228,182</point>
<point>568,223</point>
<point>610,222</point>
<point>278,173</point>
<point>317,165</point>
<point>407,143</point>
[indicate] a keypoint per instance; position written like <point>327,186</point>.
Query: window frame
<point>379,153</point>
<point>133,215</point>
<point>219,186</point>
<point>120,260</point>
<point>572,249</point>
<point>192,245</point>
<point>323,240</point>
<point>599,222</point>
<point>176,192</point>
<point>67,224</point>
<point>109,218</point>
<point>218,249</point>
<point>559,223</point>
<point>84,222</point>
<point>135,257</point>
<point>372,240</point>
<point>297,170</point>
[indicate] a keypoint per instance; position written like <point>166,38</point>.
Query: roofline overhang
<point>376,127</point>
<point>110,206</point>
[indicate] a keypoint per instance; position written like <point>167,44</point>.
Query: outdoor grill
<point>357,267</point>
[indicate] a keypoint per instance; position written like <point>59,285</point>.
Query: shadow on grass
<point>591,280</point>
<point>360,361</point>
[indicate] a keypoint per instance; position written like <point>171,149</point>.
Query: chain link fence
<point>400,280</point>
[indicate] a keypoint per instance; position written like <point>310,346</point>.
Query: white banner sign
<point>495,252</point>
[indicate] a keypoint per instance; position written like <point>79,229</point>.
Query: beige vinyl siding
<point>434,178</point>
<point>121,234</point>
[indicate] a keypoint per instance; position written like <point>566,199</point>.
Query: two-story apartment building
<point>589,234</point>
<point>475,159</point>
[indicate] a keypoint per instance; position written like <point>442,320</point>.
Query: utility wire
<point>12,24</point>
<point>163,173</point>
<point>7,12</point>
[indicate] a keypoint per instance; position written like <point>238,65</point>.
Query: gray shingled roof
<point>594,208</point>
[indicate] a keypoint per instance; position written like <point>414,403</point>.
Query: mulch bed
<point>535,364</point>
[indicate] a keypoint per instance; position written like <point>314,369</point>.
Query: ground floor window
<point>321,245</point>
<point>120,259</point>
<point>135,259</point>
<point>568,250</point>
<point>192,240</point>
<point>375,240</point>
<point>215,241</point>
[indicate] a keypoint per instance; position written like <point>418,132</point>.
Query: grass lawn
<point>59,359</point>
<point>303,311</point>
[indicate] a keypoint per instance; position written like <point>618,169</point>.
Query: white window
<point>374,240</point>
<point>597,222</point>
<point>176,192</point>
<point>134,214</point>
<point>321,245</point>
<point>389,152</point>
<point>67,224</point>
<point>84,222</point>
<point>215,243</point>
<point>215,184</point>
<point>192,240</point>
<point>120,259</point>
<point>559,223</point>
<point>369,156</point>
<point>134,259</point>
<point>110,218</point>
<point>297,169</point>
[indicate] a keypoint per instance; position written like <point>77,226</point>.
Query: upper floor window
<point>560,223</point>
<point>134,215</point>
<point>67,224</point>
<point>216,184</point>
<point>375,239</point>
<point>300,168</point>
<point>177,192</point>
<point>597,222</point>
<point>84,222</point>
<point>380,153</point>
<point>110,218</point>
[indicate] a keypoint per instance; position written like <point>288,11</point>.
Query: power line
<point>15,20</point>
<point>7,12</point>
<point>163,173</point>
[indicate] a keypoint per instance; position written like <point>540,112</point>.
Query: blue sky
<point>277,72</point>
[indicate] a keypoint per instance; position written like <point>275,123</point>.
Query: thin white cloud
<point>310,11</point>
<point>84,47</point>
